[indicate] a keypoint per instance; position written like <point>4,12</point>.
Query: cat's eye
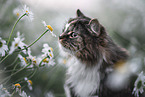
<point>73,35</point>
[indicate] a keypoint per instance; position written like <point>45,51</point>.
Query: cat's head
<point>83,37</point>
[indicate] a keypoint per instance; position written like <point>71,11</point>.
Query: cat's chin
<point>64,51</point>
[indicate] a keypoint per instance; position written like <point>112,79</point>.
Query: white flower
<point>4,92</point>
<point>49,94</point>
<point>48,27</point>
<point>62,60</point>
<point>28,12</point>
<point>48,51</point>
<point>17,87</point>
<point>23,94</point>
<point>3,47</point>
<point>18,43</point>
<point>47,57</point>
<point>139,85</point>
<point>23,60</point>
<point>51,62</point>
<point>29,83</point>
<point>17,12</point>
<point>33,60</point>
<point>30,60</point>
<point>46,61</point>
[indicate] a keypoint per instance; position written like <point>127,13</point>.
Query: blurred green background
<point>124,20</point>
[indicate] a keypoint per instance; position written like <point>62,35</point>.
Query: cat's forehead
<point>75,20</point>
<point>75,23</point>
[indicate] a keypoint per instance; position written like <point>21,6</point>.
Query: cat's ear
<point>95,26</point>
<point>79,13</point>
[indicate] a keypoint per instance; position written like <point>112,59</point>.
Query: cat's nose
<point>63,35</point>
<point>60,37</point>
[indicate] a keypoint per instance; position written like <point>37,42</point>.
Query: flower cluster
<point>17,87</point>
<point>24,11</point>
<point>29,83</point>
<point>45,59</point>
<point>139,85</point>
<point>18,43</point>
<point>47,55</point>
<point>4,92</point>
<point>3,47</point>
<point>28,12</point>
<point>26,59</point>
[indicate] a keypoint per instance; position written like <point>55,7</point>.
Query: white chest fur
<point>84,80</point>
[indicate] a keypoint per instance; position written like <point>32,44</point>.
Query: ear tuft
<point>95,26</point>
<point>79,13</point>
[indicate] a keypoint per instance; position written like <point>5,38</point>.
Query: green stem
<point>34,41</point>
<point>13,61</point>
<point>3,71</point>
<point>13,93</point>
<point>33,73</point>
<point>41,62</point>
<point>14,28</point>
<point>37,39</point>
<point>20,80</point>
<point>15,67</point>
<point>4,58</point>
<point>14,73</point>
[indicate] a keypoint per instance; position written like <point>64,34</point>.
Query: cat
<point>92,52</point>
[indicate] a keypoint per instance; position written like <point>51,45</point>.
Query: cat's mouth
<point>61,40</point>
<point>66,46</point>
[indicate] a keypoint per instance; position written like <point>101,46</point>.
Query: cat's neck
<point>80,77</point>
<point>74,60</point>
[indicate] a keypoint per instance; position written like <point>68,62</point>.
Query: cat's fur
<point>92,51</point>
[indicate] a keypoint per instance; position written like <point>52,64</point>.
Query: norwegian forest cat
<point>92,51</point>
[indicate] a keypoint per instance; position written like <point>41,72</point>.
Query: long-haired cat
<point>93,52</point>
